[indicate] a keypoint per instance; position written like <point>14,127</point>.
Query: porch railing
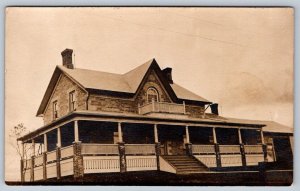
<point>203,149</point>
<point>38,160</point>
<point>67,152</point>
<point>162,107</point>
<point>229,149</point>
<point>140,149</point>
<point>253,149</point>
<point>100,149</point>
<point>51,156</point>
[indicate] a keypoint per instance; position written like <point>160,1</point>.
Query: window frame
<point>55,109</point>
<point>157,94</point>
<point>72,101</point>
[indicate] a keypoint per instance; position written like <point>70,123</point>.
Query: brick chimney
<point>168,74</point>
<point>67,58</point>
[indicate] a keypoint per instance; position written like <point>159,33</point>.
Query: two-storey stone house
<point>99,122</point>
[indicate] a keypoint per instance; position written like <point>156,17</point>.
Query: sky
<point>241,58</point>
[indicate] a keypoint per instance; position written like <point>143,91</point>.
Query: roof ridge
<point>60,66</point>
<point>149,61</point>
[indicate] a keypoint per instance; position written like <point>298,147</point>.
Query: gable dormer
<point>152,88</point>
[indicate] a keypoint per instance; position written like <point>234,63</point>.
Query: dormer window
<point>152,94</point>
<point>72,100</point>
<point>55,110</point>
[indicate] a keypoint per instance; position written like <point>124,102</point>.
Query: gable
<point>60,94</point>
<point>152,80</point>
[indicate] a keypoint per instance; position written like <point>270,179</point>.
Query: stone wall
<point>121,105</point>
<point>152,81</point>
<point>194,111</point>
<point>61,94</point>
<point>111,104</point>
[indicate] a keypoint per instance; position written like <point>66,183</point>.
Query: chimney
<point>168,74</point>
<point>67,58</point>
<point>214,108</point>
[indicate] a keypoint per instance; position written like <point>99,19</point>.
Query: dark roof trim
<point>110,93</point>
<point>49,91</point>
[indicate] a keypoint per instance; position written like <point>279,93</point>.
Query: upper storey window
<point>152,94</point>
<point>72,101</point>
<point>55,110</point>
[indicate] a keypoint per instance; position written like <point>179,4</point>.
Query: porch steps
<point>185,164</point>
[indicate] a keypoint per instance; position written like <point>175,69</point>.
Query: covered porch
<point>91,145</point>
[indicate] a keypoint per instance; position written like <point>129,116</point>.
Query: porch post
<point>264,146</point>
<point>45,157</point>
<point>77,157</point>
<point>33,147</point>
<point>58,137</point>
<point>32,161</point>
<point>76,131</point>
<point>184,110</point>
<point>121,146</point>
<point>155,134</point>
<point>157,146</point>
<point>262,137</point>
<point>77,161</point>
<point>45,143</point>
<point>240,136</point>
<point>120,135</point>
<point>242,148</point>
<point>214,135</point>
<point>188,145</point>
<point>58,145</point>
<point>187,134</point>
<point>217,149</point>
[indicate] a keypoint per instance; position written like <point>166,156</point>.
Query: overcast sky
<point>240,58</point>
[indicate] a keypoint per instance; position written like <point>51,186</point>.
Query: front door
<point>171,147</point>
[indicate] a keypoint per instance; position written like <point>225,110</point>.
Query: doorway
<point>172,139</point>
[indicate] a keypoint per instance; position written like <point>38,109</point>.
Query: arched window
<point>152,94</point>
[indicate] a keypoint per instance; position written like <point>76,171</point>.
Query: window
<point>55,114</point>
<point>72,101</point>
<point>152,94</point>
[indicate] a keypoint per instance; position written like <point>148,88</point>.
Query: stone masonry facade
<point>61,94</point>
<point>106,103</point>
<point>121,105</point>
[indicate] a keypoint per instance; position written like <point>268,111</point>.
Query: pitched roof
<point>128,82</point>
<point>270,126</point>
<point>183,93</point>
<point>125,83</point>
<point>92,79</point>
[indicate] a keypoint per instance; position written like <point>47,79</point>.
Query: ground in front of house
<point>156,178</point>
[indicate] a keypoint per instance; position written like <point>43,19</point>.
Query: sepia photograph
<point>149,96</point>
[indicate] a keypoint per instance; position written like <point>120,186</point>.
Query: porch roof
<point>128,117</point>
<point>270,126</point>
